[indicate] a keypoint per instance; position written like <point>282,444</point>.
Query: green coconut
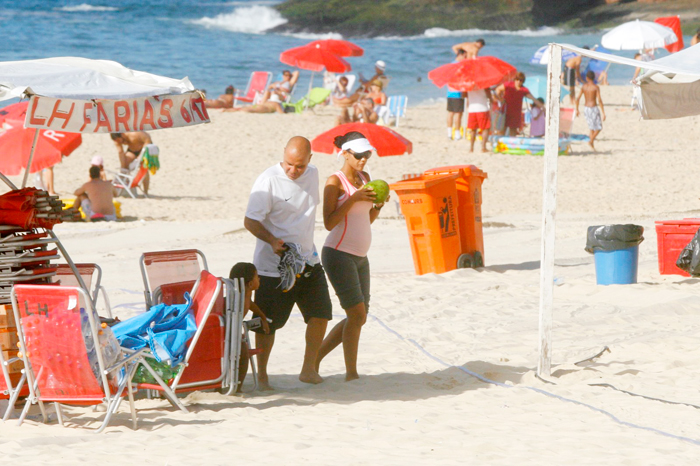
<point>380,188</point>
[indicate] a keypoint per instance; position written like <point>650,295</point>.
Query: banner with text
<point>116,116</point>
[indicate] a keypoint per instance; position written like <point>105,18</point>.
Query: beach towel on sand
<point>166,329</point>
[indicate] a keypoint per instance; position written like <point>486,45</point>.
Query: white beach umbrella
<point>638,35</point>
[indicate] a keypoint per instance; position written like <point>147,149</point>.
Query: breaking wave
<point>252,20</point>
<point>85,7</point>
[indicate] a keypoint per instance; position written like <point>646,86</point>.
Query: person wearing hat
<point>379,76</point>
<point>97,161</point>
<point>349,208</point>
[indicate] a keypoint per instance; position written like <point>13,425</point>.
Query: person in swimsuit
<point>279,91</point>
<point>348,211</point>
<point>471,49</point>
<point>594,117</point>
<point>134,142</point>
<point>376,94</point>
<point>572,74</point>
<point>225,100</point>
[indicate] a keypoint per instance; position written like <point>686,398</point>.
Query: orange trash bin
<point>429,204</point>
<point>469,197</point>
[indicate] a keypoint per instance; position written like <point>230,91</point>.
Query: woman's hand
<point>265,325</point>
<point>363,194</point>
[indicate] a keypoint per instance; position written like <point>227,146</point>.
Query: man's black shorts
<point>310,293</point>
<point>455,105</point>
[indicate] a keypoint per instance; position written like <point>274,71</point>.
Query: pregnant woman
<point>348,211</point>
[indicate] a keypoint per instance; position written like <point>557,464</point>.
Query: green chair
<point>316,96</point>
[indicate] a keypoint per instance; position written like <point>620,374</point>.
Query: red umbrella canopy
<point>314,58</point>
<point>16,144</point>
<point>341,48</point>
<point>385,140</point>
<point>472,74</point>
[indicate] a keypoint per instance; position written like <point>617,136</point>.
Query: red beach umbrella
<point>385,140</point>
<point>314,58</point>
<point>341,48</point>
<point>16,144</point>
<point>473,74</point>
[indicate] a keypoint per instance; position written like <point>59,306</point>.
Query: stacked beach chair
<point>27,256</point>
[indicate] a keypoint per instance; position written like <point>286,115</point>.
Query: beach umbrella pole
<point>31,157</point>
<point>311,82</point>
<point>549,210</point>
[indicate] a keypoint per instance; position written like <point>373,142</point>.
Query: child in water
<point>249,274</point>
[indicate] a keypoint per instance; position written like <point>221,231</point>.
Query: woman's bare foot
<point>264,383</point>
<point>353,376</point>
<point>310,377</point>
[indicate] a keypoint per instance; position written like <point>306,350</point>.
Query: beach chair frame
<point>235,302</point>
<point>91,273</point>
<point>250,91</point>
<point>171,257</point>
<point>397,105</point>
<point>129,362</point>
<point>8,390</point>
<point>202,316</point>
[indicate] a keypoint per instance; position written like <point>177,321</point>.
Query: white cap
<point>97,160</point>
<point>380,64</point>
<point>358,146</point>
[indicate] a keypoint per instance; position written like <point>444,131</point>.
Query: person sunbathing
<point>363,111</point>
<point>341,96</point>
<point>280,91</point>
<point>376,94</point>
<point>274,97</point>
<point>225,100</point>
<point>96,198</point>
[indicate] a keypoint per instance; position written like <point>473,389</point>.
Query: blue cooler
<point>616,267</point>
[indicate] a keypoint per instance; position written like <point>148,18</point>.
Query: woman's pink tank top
<point>353,234</point>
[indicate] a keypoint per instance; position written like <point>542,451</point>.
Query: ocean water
<point>217,43</point>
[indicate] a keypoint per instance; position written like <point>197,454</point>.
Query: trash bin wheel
<point>478,259</point>
<point>465,261</point>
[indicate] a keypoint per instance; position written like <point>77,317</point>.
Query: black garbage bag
<point>689,259</point>
<point>613,237</point>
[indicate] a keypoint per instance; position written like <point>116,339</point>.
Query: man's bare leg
<point>472,138</point>
<point>126,159</point>
<point>47,178</point>
<point>485,133</point>
<point>315,330</point>
<point>594,134</point>
<point>146,182</point>
<point>331,342</point>
<point>264,342</point>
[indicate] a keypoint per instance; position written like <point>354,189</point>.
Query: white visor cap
<point>358,146</point>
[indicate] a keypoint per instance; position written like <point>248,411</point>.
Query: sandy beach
<point>447,362</point>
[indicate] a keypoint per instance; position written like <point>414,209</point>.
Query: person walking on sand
<point>594,116</point>
<point>282,209</point>
<point>479,120</point>
<point>348,211</point>
<point>455,105</point>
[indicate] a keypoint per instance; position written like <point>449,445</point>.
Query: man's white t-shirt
<point>478,102</point>
<point>287,209</point>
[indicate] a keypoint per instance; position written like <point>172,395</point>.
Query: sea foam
<point>85,7</point>
<point>252,20</point>
<point>441,32</point>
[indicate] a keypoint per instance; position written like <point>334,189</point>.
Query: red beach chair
<point>258,82</point>
<point>65,277</point>
<point>204,365</point>
<point>58,332</point>
<point>163,267</point>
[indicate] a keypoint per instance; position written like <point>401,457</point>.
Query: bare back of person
<point>100,194</point>
<point>136,140</point>
<point>590,93</point>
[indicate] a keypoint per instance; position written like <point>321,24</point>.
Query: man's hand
<point>278,246</point>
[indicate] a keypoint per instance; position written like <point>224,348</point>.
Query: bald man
<point>282,209</point>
